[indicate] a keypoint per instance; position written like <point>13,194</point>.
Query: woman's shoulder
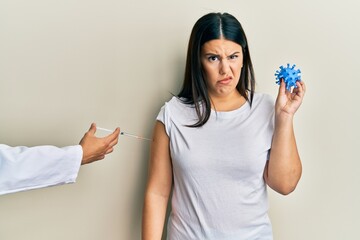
<point>178,110</point>
<point>263,101</point>
<point>263,98</point>
<point>176,103</point>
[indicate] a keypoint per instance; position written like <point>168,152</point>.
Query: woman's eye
<point>233,56</point>
<point>213,58</point>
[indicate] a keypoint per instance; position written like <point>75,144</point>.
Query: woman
<point>212,143</point>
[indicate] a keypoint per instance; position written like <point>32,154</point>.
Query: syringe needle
<point>134,136</point>
<point>124,133</point>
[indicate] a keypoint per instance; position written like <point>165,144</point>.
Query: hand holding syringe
<point>124,133</point>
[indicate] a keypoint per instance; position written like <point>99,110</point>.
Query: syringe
<point>124,133</point>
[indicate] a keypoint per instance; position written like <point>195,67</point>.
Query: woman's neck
<point>227,103</point>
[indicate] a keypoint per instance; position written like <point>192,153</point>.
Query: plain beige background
<point>65,64</point>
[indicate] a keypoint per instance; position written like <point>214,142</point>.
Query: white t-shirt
<point>219,191</point>
<point>26,168</point>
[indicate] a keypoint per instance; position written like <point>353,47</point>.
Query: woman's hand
<point>289,102</point>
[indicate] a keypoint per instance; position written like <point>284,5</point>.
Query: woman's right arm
<point>158,185</point>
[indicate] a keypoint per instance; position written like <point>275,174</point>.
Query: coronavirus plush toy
<point>289,74</point>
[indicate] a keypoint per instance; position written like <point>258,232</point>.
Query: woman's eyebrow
<point>217,55</point>
<point>234,53</point>
<point>211,54</point>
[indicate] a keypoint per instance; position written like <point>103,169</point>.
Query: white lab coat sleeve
<point>25,168</point>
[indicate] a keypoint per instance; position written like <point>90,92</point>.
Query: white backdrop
<point>65,64</point>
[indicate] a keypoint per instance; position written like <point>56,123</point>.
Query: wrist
<point>282,119</point>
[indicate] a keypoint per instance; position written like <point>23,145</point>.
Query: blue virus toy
<point>289,74</point>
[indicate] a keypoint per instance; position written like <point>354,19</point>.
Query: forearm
<point>154,213</point>
<point>24,168</point>
<point>284,167</point>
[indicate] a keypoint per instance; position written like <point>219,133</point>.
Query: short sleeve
<point>161,116</point>
<point>164,117</point>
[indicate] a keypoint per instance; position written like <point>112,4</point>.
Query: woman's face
<point>222,61</point>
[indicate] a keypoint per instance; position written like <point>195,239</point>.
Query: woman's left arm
<point>283,170</point>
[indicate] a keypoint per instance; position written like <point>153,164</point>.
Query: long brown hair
<point>194,90</point>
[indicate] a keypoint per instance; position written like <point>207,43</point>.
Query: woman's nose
<point>224,67</point>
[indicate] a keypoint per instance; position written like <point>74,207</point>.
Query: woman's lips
<point>225,80</point>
